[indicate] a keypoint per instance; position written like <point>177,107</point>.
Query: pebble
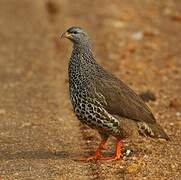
<point>118,24</point>
<point>137,35</point>
<point>114,23</point>
<point>132,168</point>
<point>171,124</point>
<point>178,114</point>
<point>175,103</point>
<point>2,111</point>
<point>128,152</point>
<point>26,124</point>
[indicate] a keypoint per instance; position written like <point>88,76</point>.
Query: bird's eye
<point>74,32</point>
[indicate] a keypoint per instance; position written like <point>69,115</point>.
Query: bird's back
<point>121,100</point>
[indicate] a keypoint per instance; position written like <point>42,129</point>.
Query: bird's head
<point>77,35</point>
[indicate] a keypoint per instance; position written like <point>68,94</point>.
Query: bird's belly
<point>85,113</point>
<point>95,116</point>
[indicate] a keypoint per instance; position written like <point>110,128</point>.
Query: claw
<point>98,155</point>
<point>118,153</point>
<point>112,158</point>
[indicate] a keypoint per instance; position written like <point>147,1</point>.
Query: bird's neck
<point>81,66</point>
<point>82,55</point>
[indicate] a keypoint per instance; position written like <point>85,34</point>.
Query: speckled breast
<point>90,112</point>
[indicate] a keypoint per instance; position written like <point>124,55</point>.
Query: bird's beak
<point>66,35</point>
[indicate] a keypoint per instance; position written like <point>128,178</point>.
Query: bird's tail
<point>159,132</point>
<point>153,130</point>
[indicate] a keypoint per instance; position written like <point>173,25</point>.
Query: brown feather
<point>120,99</point>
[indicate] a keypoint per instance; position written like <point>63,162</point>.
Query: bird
<point>102,101</point>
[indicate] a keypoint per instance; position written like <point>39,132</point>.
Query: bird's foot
<point>118,152</point>
<point>112,158</point>
<point>95,158</point>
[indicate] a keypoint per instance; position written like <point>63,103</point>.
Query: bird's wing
<point>120,99</point>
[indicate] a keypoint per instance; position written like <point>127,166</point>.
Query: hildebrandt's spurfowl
<point>102,101</point>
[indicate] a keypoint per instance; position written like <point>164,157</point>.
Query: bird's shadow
<point>42,154</point>
<point>35,154</point>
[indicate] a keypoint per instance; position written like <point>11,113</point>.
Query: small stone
<point>52,8</point>
<point>176,17</point>
<point>151,33</point>
<point>145,156</point>
<point>175,103</point>
<point>178,114</point>
<point>132,47</point>
<point>60,119</point>
<point>173,166</point>
<point>132,168</point>
<point>137,35</point>
<point>2,111</point>
<point>171,124</point>
<point>114,23</point>
<point>26,124</point>
<point>127,152</point>
<point>118,24</point>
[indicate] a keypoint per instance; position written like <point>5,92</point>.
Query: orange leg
<point>98,152</point>
<point>118,152</point>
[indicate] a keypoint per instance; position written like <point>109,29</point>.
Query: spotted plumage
<point>102,101</point>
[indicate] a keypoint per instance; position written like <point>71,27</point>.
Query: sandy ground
<point>40,138</point>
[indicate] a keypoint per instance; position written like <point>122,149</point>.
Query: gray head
<point>77,35</point>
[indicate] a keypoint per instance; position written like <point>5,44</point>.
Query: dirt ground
<point>137,40</point>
